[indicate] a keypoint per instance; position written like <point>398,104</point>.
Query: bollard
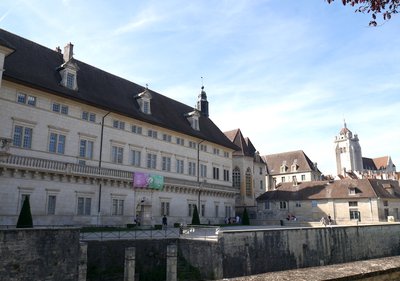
<point>172,263</point>
<point>129,269</point>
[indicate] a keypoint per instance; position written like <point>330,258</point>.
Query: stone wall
<point>39,254</point>
<point>260,251</point>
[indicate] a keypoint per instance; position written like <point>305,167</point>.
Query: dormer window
<point>68,70</point>
<point>144,99</point>
<point>283,167</point>
<point>352,191</point>
<point>70,80</point>
<point>193,118</point>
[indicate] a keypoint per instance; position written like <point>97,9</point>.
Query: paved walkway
<point>374,269</point>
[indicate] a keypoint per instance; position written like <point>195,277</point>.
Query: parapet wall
<point>39,254</point>
<point>260,251</point>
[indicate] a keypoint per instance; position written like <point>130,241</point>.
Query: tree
<point>245,219</point>
<point>25,216</point>
<point>195,217</point>
<point>385,7</point>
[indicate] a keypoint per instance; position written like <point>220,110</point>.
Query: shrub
<point>245,218</point>
<point>25,216</point>
<point>195,217</point>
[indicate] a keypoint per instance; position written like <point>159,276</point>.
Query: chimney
<point>58,49</point>
<point>68,52</point>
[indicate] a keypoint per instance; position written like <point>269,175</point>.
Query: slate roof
<point>314,190</point>
<point>36,66</point>
<point>274,162</point>
<point>246,147</point>
<point>374,164</point>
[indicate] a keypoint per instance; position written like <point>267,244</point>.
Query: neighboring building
<point>350,163</point>
<point>88,147</point>
<point>366,200</point>
<point>248,174</point>
<point>293,166</point>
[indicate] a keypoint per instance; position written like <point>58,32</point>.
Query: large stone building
<point>351,163</point>
<point>345,201</point>
<point>88,147</point>
<point>292,166</point>
<point>248,173</point>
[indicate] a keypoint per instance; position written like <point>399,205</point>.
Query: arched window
<point>248,182</point>
<point>236,177</point>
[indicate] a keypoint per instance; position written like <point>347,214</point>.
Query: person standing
<point>164,221</point>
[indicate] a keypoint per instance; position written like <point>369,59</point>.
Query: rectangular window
<point>216,211</point>
<point>166,163</point>
<point>165,208</point>
<point>283,205</point>
<point>85,115</point>
<point>136,129</point>
<point>203,147</point>
<point>215,173</point>
<point>179,166</point>
<point>22,137</point>
<point>180,141</point>
<point>203,210</point>
<point>267,205</point>
<point>228,211</point>
<point>191,207</point>
<point>86,149</point>
<point>151,161</point>
<point>56,107</point>
<point>146,107</point>
<point>261,170</point>
<point>314,204</point>
<point>152,133</point>
<point>31,101</point>
<point>354,214</point>
<point>303,177</point>
<point>385,203</point>
<point>21,98</point>
<point>282,179</point>
<point>192,144</point>
<point>70,80</point>
<point>298,204</point>
<point>119,124</point>
<point>216,151</point>
<point>192,169</point>
<point>117,154</point>
<point>64,109</point>
<point>261,185</point>
<point>88,116</point>
<point>117,207</point>
<point>203,170</point>
<point>226,154</point>
<point>92,117</point>
<point>353,203</point>
<point>23,196</point>
<point>84,206</point>
<point>166,137</point>
<point>57,143</point>
<point>51,205</point>
<point>136,158</point>
<point>226,175</point>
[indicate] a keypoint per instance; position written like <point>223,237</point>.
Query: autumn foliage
<point>386,8</point>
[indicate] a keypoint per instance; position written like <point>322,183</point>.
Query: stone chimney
<point>58,49</point>
<point>68,52</point>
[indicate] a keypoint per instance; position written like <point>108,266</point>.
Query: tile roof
<point>364,188</point>
<point>275,161</point>
<point>381,162</point>
<point>36,66</point>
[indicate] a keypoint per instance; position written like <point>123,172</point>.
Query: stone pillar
<point>129,269</point>
<point>82,268</point>
<point>172,263</point>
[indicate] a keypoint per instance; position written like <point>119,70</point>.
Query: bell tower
<point>348,152</point>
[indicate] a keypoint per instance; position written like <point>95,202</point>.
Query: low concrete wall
<point>260,251</point>
<point>39,254</point>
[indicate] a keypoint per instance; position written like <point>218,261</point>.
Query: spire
<point>202,103</point>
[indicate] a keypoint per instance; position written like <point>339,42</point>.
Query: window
<point>22,136</point>
<point>228,210</point>
<point>303,177</point>
<point>215,173</point>
<point>354,214</point>
<point>203,170</point>
<point>151,161</point>
<point>84,206</point>
<point>192,168</point>
<point>294,167</point>
<point>216,151</point>
<point>236,177</point>
<point>60,108</point>
<point>51,205</point>
<point>191,207</point>
<point>166,137</point>
<point>26,99</point>
<point>203,147</point>
<point>57,143</point>
<point>283,205</point>
<point>117,207</point>
<point>56,107</point>
<point>166,163</point>
<point>180,141</point>
<point>314,203</point>
<point>135,158</point>
<point>282,179</point>
<point>23,196</point>
<point>298,204</point>
<point>216,211</point>
<point>203,210</point>
<point>146,107</point>
<point>261,185</point>
<point>283,168</point>
<point>353,203</point>
<point>152,133</point>
<point>267,205</point>
<point>136,129</point>
<point>192,144</point>
<point>226,175</point>
<point>88,116</point>
<point>117,154</point>
<point>261,171</point>
<point>70,80</point>
<point>179,166</point>
<point>165,208</point>
<point>226,154</point>
<point>86,149</point>
<point>119,124</point>
<point>352,191</point>
<point>385,203</point>
<point>248,182</point>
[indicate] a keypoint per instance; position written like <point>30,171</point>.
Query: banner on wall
<point>144,180</point>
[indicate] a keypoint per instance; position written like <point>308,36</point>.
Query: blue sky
<point>285,72</point>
